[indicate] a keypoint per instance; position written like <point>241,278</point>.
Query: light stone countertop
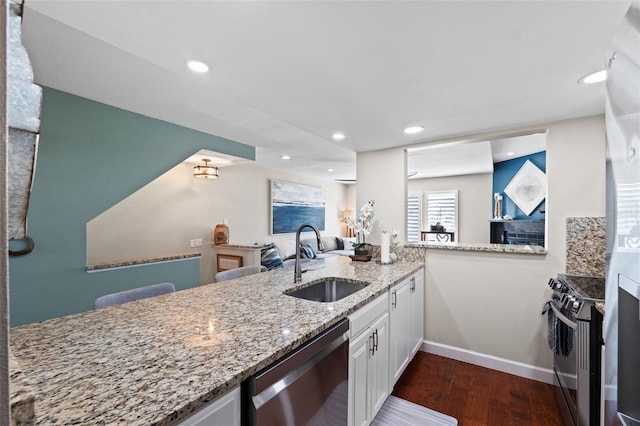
<point>495,248</point>
<point>142,261</point>
<point>22,395</point>
<point>154,361</point>
<point>239,246</point>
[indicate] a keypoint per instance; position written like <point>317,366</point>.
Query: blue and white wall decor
<point>293,204</point>
<point>528,187</point>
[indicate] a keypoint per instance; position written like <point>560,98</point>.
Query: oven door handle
<point>562,317</point>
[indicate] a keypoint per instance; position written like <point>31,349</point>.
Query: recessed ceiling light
<point>286,157</point>
<point>330,170</point>
<point>413,130</point>
<point>338,136</point>
<point>594,77</point>
<point>197,66</point>
<point>510,154</point>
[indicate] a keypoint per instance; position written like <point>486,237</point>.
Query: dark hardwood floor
<point>477,395</point>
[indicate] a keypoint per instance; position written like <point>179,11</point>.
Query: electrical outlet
<point>195,243</point>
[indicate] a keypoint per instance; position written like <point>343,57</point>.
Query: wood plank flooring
<point>476,395</point>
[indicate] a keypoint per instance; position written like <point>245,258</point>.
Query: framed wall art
<point>293,204</point>
<point>528,187</point>
<point>228,261</point>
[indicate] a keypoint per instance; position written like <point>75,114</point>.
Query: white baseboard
<point>539,374</point>
<point>610,392</point>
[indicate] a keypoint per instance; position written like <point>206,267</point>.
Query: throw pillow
<point>307,251</point>
<point>270,257</point>
<point>340,243</point>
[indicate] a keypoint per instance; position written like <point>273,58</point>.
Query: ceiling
<point>284,75</point>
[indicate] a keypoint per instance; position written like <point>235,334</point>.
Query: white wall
<point>382,177</point>
<point>475,200</point>
<point>162,217</point>
<point>490,302</point>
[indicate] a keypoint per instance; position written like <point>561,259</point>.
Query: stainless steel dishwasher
<point>307,387</point>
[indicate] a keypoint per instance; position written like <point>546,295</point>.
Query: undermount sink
<point>327,289</point>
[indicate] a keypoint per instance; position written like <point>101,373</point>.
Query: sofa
<point>282,253</point>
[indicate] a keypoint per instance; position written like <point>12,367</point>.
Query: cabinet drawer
<point>364,316</point>
<point>224,410</point>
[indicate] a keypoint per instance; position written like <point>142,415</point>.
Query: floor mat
<point>399,412</point>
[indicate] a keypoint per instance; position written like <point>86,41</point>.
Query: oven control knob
<point>569,301</point>
<point>575,306</point>
<point>555,285</point>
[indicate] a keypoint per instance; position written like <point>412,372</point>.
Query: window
<point>414,213</point>
<point>442,207</point>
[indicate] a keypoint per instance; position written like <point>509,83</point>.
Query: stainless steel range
<point>575,338</point>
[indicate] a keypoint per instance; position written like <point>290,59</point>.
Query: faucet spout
<point>297,271</point>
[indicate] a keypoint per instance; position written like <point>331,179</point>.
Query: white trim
<point>516,368</point>
<point>610,392</point>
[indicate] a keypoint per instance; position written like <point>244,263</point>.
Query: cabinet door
<point>223,411</point>
<point>359,379</point>
<point>417,314</point>
<point>379,365</point>
<point>399,309</point>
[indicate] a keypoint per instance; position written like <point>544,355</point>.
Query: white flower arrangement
<point>364,225</point>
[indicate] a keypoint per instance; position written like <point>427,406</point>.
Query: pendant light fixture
<point>205,171</point>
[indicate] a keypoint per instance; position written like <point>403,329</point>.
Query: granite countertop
<point>154,361</point>
<point>496,248</point>
<point>240,246</point>
<point>22,395</point>
<point>141,261</point>
<point>589,287</point>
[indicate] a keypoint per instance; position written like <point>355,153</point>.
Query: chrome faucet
<point>297,270</point>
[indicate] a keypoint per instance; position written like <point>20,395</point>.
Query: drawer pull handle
<point>372,347</point>
<point>375,340</point>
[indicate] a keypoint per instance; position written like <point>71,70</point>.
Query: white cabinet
<point>417,313</point>
<point>368,361</point>
<point>379,364</point>
<point>406,317</point>
<point>223,411</point>
<point>384,336</point>
<point>359,380</point>
<point>399,318</point>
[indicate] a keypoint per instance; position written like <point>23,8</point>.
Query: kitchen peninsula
<point>484,247</point>
<point>157,360</point>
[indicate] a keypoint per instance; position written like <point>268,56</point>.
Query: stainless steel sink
<point>327,289</point>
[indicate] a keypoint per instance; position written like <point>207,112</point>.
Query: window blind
<point>414,211</point>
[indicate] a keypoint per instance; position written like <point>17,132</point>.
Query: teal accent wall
<point>91,156</point>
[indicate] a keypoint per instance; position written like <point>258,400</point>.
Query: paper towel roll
<point>384,248</point>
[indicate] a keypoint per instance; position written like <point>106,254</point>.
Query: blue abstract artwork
<point>293,204</point>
